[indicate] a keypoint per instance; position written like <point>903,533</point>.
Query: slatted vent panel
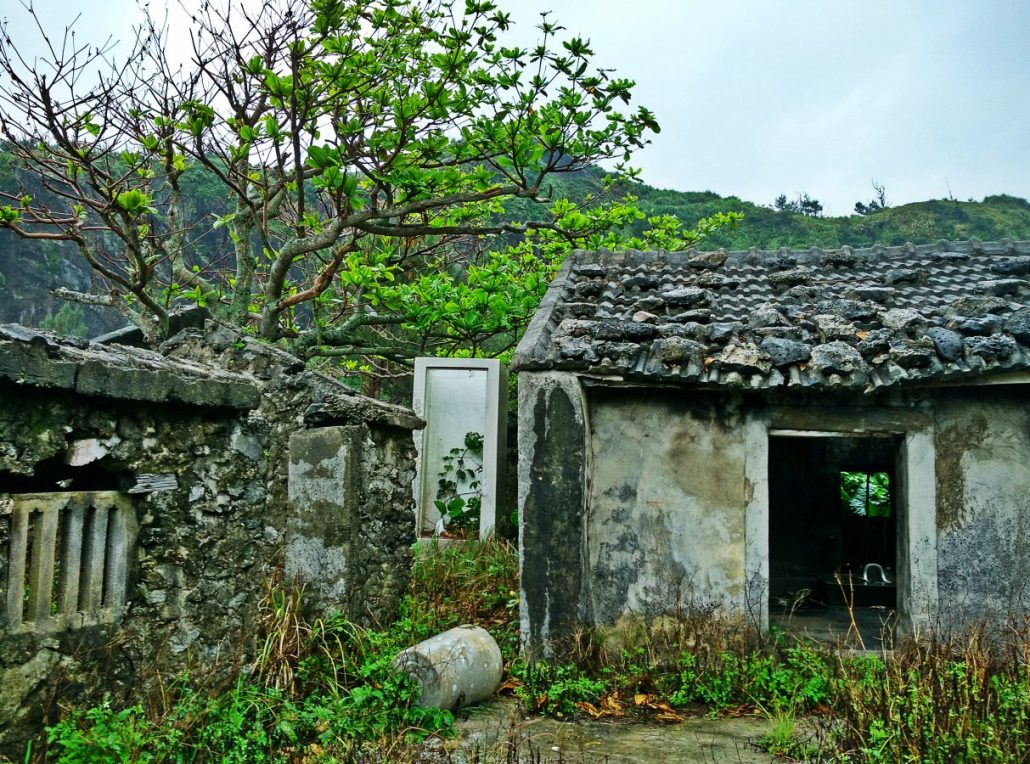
<point>67,558</point>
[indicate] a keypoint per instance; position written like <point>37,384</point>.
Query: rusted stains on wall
<point>952,442</point>
<point>704,454</point>
<point>983,490</point>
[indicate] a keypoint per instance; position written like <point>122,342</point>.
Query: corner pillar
<point>553,432</point>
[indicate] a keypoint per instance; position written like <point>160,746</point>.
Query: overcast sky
<point>757,98</point>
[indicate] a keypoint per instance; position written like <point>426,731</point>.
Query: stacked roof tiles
<point>856,318</point>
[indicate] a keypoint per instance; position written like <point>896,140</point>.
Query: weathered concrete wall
<point>631,502</point>
<point>667,502</point>
<point>983,518</point>
<point>552,480</point>
<point>639,501</point>
<point>208,470</point>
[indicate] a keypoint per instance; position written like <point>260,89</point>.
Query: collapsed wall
<point>148,498</point>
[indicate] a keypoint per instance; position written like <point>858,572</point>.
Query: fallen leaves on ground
<point>509,685</point>
<point>613,706</point>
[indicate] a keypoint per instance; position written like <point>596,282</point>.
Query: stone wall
<point>196,440</point>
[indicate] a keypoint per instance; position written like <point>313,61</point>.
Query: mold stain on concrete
<point>553,516</point>
<point>952,443</point>
<point>666,504</point>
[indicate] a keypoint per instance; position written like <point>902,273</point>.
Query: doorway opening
<point>834,508</point>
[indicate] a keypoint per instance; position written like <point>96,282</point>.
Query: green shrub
<point>798,677</point>
<point>105,736</point>
<point>554,689</point>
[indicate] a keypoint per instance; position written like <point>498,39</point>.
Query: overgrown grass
<point>473,582</point>
<point>319,690</point>
<point>958,700</point>
<point>324,690</point>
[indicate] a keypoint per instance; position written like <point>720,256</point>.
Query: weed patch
<point>324,690</point>
<point>935,701</point>
<point>318,690</point>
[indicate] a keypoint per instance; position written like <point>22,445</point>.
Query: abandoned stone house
<point>147,499</point>
<point>685,420</point>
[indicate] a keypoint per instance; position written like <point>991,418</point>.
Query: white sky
<point>761,97</point>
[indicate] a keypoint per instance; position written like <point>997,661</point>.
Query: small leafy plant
<point>459,488</point>
<point>867,494</point>
<point>556,689</point>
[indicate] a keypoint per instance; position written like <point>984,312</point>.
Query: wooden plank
<point>152,483</point>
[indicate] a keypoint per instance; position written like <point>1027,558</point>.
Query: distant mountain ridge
<point>996,217</point>
<point>29,270</point>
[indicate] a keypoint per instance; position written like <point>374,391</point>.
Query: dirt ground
<point>489,732</point>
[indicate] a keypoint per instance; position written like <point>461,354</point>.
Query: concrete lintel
<point>790,433</point>
<point>112,371</point>
<point>859,420</point>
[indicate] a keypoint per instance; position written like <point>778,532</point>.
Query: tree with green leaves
<point>802,205</point>
<point>376,160</point>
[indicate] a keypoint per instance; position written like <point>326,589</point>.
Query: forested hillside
<point>995,217</point>
<point>30,269</point>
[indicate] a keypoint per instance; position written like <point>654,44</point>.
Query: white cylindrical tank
<point>454,669</point>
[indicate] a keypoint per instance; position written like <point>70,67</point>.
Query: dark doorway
<point>833,531</point>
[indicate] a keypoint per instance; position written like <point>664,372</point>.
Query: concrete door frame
<point>917,528</point>
<point>493,426</point>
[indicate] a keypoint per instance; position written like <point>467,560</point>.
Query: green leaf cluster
<point>377,177</point>
<point>459,495</point>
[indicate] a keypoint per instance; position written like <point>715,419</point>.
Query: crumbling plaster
<point>983,474</point>
<point>667,502</point>
<point>637,500</point>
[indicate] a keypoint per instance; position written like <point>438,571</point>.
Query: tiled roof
<point>860,318</point>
